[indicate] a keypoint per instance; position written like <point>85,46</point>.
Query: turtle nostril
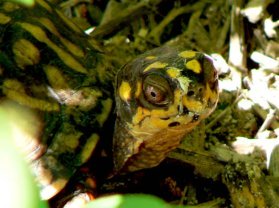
<point>196,117</point>
<point>190,93</point>
<point>197,92</point>
<point>185,110</point>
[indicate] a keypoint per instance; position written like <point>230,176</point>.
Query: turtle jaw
<point>136,150</point>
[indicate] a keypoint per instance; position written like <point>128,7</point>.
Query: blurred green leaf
<point>130,201</point>
<point>24,2</point>
<point>18,189</point>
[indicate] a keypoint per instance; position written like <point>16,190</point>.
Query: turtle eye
<point>154,95</point>
<point>156,90</point>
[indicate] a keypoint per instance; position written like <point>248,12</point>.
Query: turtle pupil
<point>155,95</point>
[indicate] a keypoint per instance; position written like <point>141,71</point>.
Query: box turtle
<point>50,68</point>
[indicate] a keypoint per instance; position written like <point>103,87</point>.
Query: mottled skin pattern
<point>49,68</point>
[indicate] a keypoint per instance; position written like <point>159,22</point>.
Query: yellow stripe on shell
<point>41,36</point>
<point>74,49</point>
<point>71,141</point>
<point>106,108</point>
<point>187,54</point>
<point>9,6</point>
<point>89,147</point>
<point>25,53</point>
<point>138,91</point>
<point>56,78</point>
<point>14,90</point>
<point>155,65</point>
<point>67,140</point>
<point>44,5</point>
<point>194,66</point>
<point>4,19</point>
<point>125,91</point>
<point>69,22</point>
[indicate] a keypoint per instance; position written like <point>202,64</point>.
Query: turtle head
<point>160,96</point>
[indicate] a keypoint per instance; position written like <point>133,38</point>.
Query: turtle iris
<point>154,95</point>
<point>156,90</point>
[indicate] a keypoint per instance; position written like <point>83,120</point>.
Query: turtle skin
<point>59,77</point>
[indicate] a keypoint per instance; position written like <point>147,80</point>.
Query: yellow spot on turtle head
<point>192,105</point>
<point>4,19</point>
<point>125,91</point>
<point>155,65</point>
<point>173,72</point>
<point>26,53</point>
<point>159,123</point>
<point>194,66</point>
<point>187,54</point>
<point>140,115</point>
<point>210,94</point>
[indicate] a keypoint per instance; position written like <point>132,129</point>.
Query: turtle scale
<point>50,68</point>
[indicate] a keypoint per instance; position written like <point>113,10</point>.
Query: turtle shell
<point>52,78</point>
